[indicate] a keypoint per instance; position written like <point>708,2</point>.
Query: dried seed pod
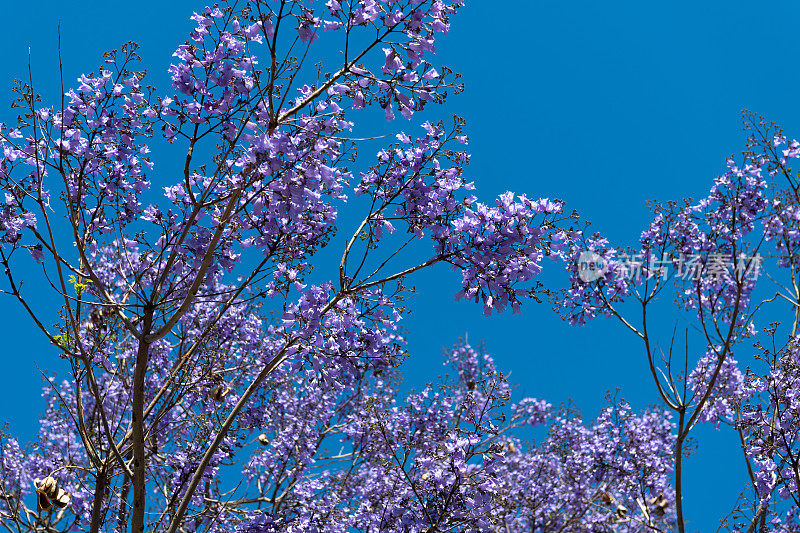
<point>96,319</point>
<point>511,448</point>
<point>62,499</point>
<point>48,486</point>
<point>606,498</point>
<point>43,501</point>
<point>219,392</point>
<point>659,504</point>
<point>622,511</point>
<point>263,440</point>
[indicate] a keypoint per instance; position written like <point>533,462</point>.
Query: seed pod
<point>96,318</point>
<point>219,392</point>
<point>43,501</point>
<point>48,487</point>
<point>512,448</point>
<point>62,499</point>
<point>606,498</point>
<point>622,511</point>
<point>263,440</point>
<point>659,504</point>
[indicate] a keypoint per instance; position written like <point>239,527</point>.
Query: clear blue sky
<point>603,104</point>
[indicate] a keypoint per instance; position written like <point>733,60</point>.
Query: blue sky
<point>604,105</point>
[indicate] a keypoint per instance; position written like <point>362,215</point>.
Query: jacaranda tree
<point>216,383</point>
<point>732,259</point>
